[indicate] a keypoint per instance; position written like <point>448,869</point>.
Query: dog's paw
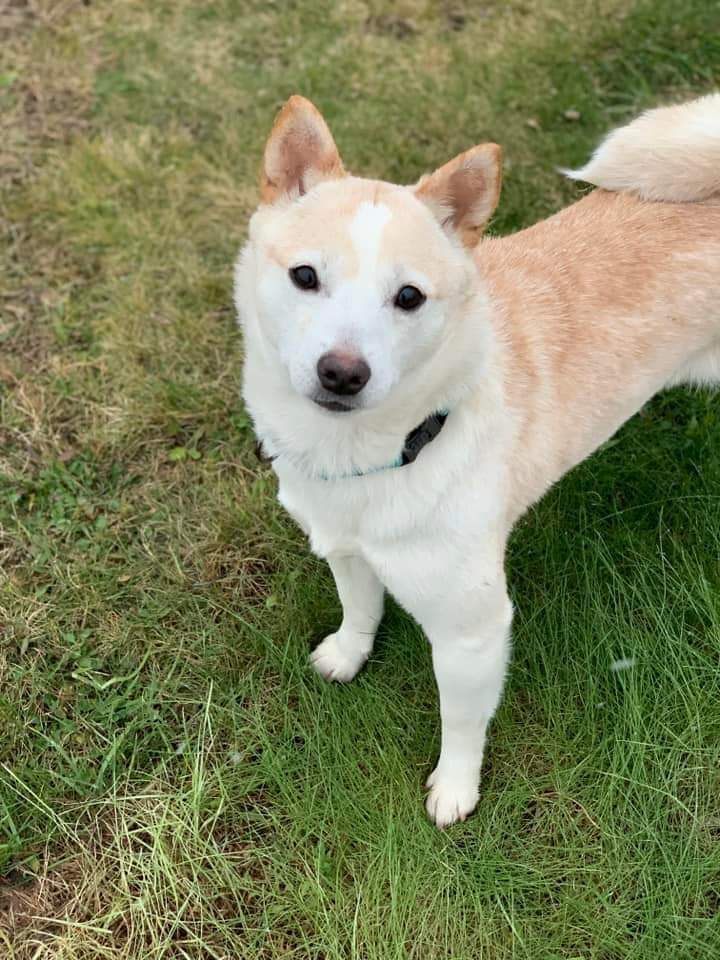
<point>451,799</point>
<point>334,661</point>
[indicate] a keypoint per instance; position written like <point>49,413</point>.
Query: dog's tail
<point>668,154</point>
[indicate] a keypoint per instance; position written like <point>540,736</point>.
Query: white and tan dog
<point>369,308</point>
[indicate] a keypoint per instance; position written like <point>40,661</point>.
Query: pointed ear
<point>464,192</point>
<point>299,153</point>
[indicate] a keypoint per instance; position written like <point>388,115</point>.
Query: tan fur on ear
<point>300,152</point>
<point>464,192</point>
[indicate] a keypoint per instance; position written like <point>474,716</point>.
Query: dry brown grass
<point>49,54</point>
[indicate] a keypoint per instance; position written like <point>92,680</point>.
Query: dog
<point>418,386</point>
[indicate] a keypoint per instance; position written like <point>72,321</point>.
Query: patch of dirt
<point>244,575</point>
<point>24,907</point>
<point>389,24</point>
<point>15,16</point>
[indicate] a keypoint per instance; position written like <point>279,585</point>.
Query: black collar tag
<point>422,435</point>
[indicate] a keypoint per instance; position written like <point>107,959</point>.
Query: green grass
<point>174,781</point>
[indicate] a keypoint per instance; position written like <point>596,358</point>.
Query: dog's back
<point>617,295</point>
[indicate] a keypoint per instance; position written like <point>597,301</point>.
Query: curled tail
<point>672,153</point>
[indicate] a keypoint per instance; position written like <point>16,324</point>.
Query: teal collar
<point>418,438</point>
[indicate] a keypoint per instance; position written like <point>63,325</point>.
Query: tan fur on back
<point>599,306</point>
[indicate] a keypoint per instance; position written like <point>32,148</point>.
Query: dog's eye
<point>304,277</point>
<point>409,298</point>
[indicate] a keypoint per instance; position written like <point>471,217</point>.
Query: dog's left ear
<point>299,153</point>
<point>464,192</point>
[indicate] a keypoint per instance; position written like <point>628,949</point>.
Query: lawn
<point>175,782</point>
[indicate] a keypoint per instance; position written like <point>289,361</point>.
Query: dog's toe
<point>334,661</point>
<point>451,799</point>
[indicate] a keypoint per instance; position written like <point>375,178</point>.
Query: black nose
<point>343,373</point>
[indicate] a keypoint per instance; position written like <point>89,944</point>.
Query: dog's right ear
<point>300,152</point>
<point>464,192</point>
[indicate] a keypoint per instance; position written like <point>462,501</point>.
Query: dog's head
<point>354,282</point>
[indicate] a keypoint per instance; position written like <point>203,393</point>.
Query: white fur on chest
<point>410,522</point>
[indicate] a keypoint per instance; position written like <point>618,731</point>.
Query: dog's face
<point>355,281</point>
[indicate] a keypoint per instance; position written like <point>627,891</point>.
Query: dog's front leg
<point>470,656</point>
<point>342,654</point>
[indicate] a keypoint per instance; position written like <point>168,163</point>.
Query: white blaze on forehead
<point>366,229</point>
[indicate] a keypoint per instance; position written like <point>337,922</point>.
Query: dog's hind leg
<point>342,654</point>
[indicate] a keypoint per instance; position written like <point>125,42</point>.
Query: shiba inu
<point>418,387</point>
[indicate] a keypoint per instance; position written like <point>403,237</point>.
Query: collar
<point>418,438</point>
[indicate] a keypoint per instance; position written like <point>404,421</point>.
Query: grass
<point>174,781</point>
